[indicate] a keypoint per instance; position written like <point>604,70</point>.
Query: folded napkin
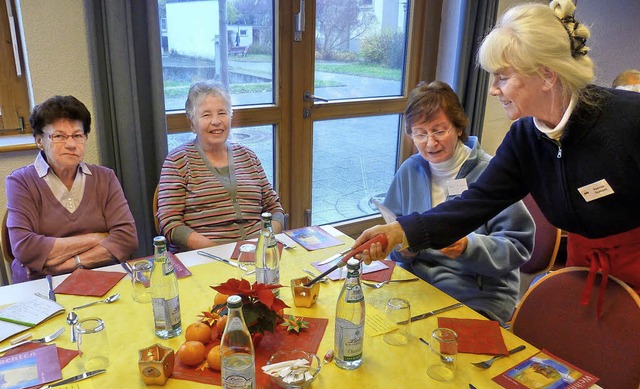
<point>476,336</point>
<point>249,257</point>
<point>85,282</point>
<point>382,275</point>
<point>308,340</point>
<point>179,267</point>
<point>341,273</point>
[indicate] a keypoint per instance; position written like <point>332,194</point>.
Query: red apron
<point>617,255</point>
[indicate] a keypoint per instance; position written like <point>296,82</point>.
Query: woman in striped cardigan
<point>212,191</point>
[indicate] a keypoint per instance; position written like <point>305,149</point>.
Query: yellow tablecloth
<point>129,328</point>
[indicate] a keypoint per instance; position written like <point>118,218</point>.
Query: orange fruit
<point>213,358</point>
<point>191,353</point>
<point>199,331</point>
<point>215,333</point>
<point>220,298</point>
<point>220,323</point>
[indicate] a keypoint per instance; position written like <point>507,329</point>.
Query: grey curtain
<point>470,81</point>
<point>126,62</point>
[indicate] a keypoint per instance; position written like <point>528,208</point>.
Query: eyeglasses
<point>437,136</point>
<point>62,138</point>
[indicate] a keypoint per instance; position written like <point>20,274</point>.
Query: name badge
<point>455,187</point>
<point>596,190</point>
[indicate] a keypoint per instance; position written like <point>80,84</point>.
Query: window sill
<point>9,143</point>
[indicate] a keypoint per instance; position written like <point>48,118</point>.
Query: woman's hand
<point>394,234</point>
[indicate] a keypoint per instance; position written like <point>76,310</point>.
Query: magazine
<point>26,314</point>
<point>313,238</point>
<point>29,368</point>
<point>545,370</point>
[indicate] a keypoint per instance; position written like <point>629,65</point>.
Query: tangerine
<point>213,358</point>
<point>198,331</point>
<point>220,298</point>
<point>191,353</point>
<point>221,323</point>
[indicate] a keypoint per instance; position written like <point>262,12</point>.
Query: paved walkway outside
<point>354,159</point>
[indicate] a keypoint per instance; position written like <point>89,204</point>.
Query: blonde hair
<point>628,77</point>
<point>531,36</point>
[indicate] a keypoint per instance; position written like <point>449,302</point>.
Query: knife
<point>334,257</point>
<point>79,377</point>
<point>435,312</point>
<point>217,258</point>
<point>52,294</point>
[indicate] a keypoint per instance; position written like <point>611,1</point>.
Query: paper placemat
<point>476,336</point>
<point>308,340</point>
<point>382,275</point>
<point>341,273</point>
<point>85,282</point>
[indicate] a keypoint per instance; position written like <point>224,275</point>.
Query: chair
<point>155,211</point>
<point>550,316</point>
<point>7,254</point>
<point>545,250</point>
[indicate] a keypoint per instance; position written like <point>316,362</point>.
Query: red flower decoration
<point>260,307</point>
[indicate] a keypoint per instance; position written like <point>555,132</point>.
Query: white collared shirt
<point>70,199</point>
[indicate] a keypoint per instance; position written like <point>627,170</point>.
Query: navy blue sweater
<point>599,142</point>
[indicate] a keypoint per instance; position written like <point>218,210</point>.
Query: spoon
<point>72,319</point>
<point>108,300</point>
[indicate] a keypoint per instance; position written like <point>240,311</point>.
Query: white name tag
<point>596,190</point>
<point>455,187</point>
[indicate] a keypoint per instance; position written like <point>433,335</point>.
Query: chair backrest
<point>550,316</point>
<point>155,211</point>
<point>547,241</point>
<point>4,240</point>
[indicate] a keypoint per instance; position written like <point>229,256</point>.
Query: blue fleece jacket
<point>486,275</point>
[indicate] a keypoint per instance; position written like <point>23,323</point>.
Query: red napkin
<point>308,340</point>
<point>381,275</point>
<point>249,257</point>
<point>476,336</point>
<point>179,267</point>
<point>85,282</point>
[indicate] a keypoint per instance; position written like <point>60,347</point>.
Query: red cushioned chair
<point>550,316</point>
<point>545,250</point>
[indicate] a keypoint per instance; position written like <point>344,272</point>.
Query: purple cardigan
<point>36,218</point>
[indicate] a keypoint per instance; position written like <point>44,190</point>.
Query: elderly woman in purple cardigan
<point>64,214</point>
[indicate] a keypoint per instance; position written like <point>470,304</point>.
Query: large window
<point>317,94</point>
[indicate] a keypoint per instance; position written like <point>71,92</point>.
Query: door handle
<point>308,96</point>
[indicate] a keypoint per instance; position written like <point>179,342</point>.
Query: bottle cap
<point>158,240</point>
<point>266,215</point>
<point>234,301</point>
<point>353,263</point>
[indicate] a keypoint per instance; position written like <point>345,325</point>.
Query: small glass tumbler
<point>443,354</point>
<point>140,277</point>
<point>92,343</point>
<point>398,312</point>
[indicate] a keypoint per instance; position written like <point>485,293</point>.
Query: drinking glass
<point>140,277</point>
<point>443,354</point>
<point>92,343</point>
<point>398,312</point>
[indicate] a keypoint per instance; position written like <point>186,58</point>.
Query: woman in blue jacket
<point>573,146</point>
<point>481,269</point>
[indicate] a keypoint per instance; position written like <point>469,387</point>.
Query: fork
<point>45,339</point>
<point>379,285</point>
<point>487,364</point>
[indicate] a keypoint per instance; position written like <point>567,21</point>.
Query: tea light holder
<point>155,364</point>
<point>304,296</point>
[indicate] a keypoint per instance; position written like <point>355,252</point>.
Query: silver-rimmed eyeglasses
<point>437,135</point>
<point>62,138</point>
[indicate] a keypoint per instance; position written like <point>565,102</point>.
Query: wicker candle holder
<point>155,364</point>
